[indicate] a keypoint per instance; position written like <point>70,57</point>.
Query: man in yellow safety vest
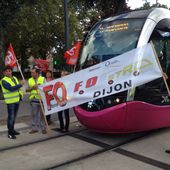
<point>38,121</point>
<point>12,96</point>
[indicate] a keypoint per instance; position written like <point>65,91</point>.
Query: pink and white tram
<point>142,108</point>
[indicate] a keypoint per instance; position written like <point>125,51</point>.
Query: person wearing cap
<point>38,122</point>
<point>12,96</point>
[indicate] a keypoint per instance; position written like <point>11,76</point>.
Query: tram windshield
<point>109,39</point>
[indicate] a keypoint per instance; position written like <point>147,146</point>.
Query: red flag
<point>10,58</point>
<point>42,64</point>
<point>72,54</point>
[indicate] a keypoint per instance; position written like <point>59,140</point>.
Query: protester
<point>38,122</point>
<point>12,96</point>
<point>49,77</point>
<point>64,127</point>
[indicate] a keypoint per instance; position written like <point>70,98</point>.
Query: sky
<point>138,3</point>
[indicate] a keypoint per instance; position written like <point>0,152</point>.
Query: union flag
<point>42,64</point>
<point>10,58</point>
<point>72,54</point>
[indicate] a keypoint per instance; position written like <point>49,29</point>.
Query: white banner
<point>118,74</point>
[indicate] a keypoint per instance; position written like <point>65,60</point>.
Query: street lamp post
<point>66,23</point>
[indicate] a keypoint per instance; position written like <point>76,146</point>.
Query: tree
<point>8,9</point>
<point>147,5</point>
<point>90,11</point>
<point>109,8</point>
<point>39,27</point>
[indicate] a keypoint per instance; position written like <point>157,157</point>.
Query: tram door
<point>155,92</point>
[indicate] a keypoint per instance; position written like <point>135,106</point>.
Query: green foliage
<point>38,28</point>
<point>90,11</point>
<point>35,27</point>
<point>7,10</point>
<point>147,5</point>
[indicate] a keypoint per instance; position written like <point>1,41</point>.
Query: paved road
<point>24,110</point>
<point>81,149</point>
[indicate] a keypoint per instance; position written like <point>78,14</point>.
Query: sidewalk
<point>63,151</point>
<point>25,137</point>
<point>81,149</point>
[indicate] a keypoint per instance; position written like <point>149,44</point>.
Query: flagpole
<point>43,112</point>
<point>159,64</point>
<point>74,69</point>
<point>20,70</point>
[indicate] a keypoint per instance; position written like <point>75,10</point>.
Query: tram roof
<point>134,14</point>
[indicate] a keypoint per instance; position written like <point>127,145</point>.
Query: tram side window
<point>168,60</point>
<point>156,88</point>
<point>160,48</point>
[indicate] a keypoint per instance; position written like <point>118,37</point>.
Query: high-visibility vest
<point>9,96</point>
<point>31,83</point>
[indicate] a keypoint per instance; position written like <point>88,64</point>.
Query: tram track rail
<point>104,147</point>
<point>142,158</point>
<point>115,148</point>
<point>40,140</point>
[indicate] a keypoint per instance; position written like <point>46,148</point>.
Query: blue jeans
<point>12,113</point>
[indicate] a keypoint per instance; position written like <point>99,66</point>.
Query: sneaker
<point>167,151</point>
<point>44,131</point>
<point>16,133</point>
<point>33,131</point>
<point>11,136</point>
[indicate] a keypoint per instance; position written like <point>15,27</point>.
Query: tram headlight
<point>90,104</point>
<point>117,100</point>
<point>109,101</point>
